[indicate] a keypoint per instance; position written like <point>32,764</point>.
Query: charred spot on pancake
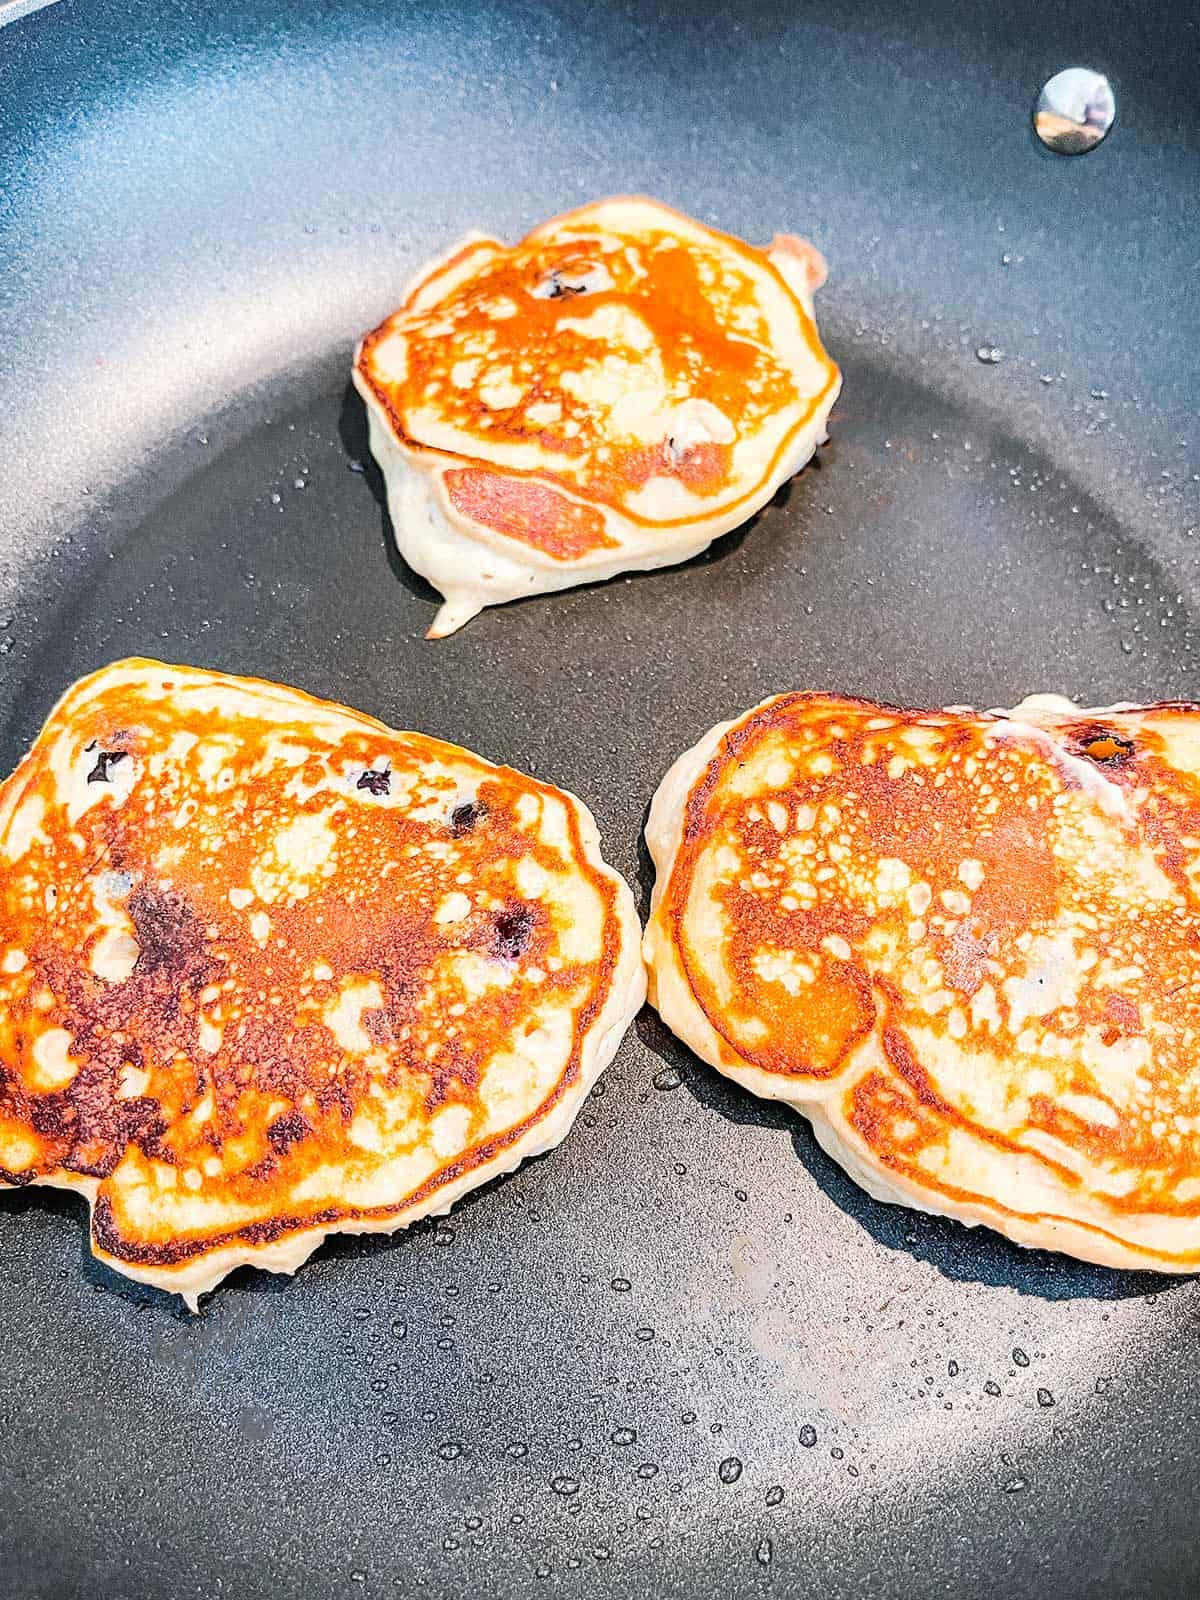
<point>105,760</point>
<point>375,782</point>
<point>52,1115</point>
<point>466,816</point>
<point>514,929</point>
<point>287,1130</point>
<point>170,937</point>
<point>1104,745</point>
<point>378,1025</point>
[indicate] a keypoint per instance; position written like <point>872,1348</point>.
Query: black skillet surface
<point>199,210</point>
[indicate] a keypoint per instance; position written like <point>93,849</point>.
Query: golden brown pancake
<point>966,946</point>
<point>270,970</point>
<point>613,392</point>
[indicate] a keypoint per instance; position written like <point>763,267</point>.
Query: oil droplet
<point>991,1387</point>
<point>541,1572</point>
<point>358,1577</point>
<point>624,1436</point>
<point>688,1418</point>
<point>399,1328</point>
<point>668,1078</point>
<point>648,1470</point>
<point>517,1449</point>
<point>1020,1359</point>
<point>764,1553</point>
<point>1014,1485</point>
<point>775,1495</point>
<point>952,1368</point>
<point>601,1553</point>
<point>443,1235</point>
<point>989,354</point>
<point>643,1335</point>
<point>621,1285</point>
<point>808,1436</point>
<point>451,1450</point>
<point>730,1470</point>
<point>563,1485</point>
<point>1045,1398</point>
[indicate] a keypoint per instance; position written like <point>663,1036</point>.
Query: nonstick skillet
<point>683,1355</point>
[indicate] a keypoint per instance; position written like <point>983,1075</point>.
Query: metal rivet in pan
<point>1074,111</point>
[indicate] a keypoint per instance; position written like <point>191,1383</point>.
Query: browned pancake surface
<point>971,944</point>
<point>265,964</point>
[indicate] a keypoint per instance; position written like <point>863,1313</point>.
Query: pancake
<point>270,970</point>
<point>966,946</point>
<point>612,393</point>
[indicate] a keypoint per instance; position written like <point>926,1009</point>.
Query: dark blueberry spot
<point>557,288</point>
<point>375,782</point>
<point>464,817</point>
<point>105,760</point>
<point>513,928</point>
